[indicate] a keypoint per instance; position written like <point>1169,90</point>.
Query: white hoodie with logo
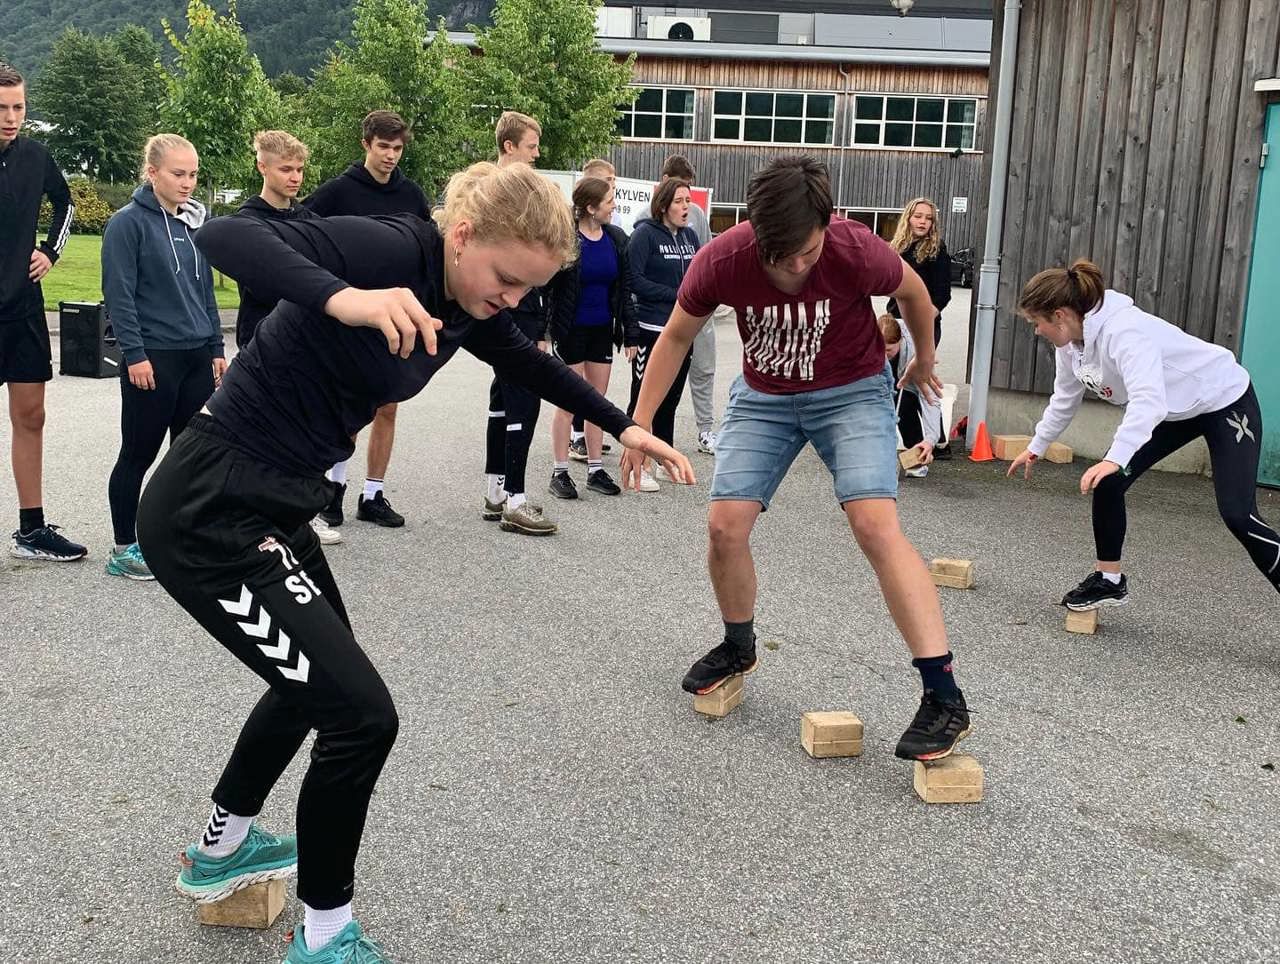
<point>1156,371</point>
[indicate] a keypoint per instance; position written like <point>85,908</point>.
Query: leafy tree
<point>289,84</point>
<point>541,57</point>
<point>142,52</point>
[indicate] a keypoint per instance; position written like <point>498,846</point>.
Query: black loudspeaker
<point>87,343</point>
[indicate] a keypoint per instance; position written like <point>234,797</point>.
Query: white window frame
<point>630,109</point>
<point>880,145</point>
<point>742,116</point>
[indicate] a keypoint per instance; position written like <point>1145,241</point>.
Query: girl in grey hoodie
<point>159,294</point>
<point>1173,387</point>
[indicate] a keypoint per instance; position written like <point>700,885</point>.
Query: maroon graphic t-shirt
<point>824,335</point>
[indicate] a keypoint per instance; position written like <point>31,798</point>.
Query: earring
<point>456,256</point>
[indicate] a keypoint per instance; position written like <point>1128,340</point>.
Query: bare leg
<point>597,375</point>
<point>733,573</point>
<point>26,415</point>
<point>561,421</point>
<point>382,437</point>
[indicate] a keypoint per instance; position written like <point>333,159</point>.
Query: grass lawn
<point>78,276</point>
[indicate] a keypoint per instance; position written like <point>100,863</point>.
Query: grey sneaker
<point>528,519</point>
<point>492,511</point>
<point>128,562</point>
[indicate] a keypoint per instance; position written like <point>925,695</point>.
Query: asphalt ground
<point>552,795</point>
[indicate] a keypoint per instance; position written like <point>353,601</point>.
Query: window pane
<point>648,125</point>
<point>728,102</point>
<point>624,125</point>
<point>897,135</point>
<point>870,108</point>
<point>969,139</point>
<point>821,106</point>
<point>955,134</point>
<point>790,105</point>
<point>785,131</point>
<point>726,130</point>
<point>758,129</point>
<point>900,108</point>
<point>679,128</point>
<point>929,110</point>
<point>818,132</point>
<point>866,217</point>
<point>928,135</point>
<point>866,134</point>
<point>722,219</point>
<point>759,105</point>
<point>650,99</point>
<point>962,111</point>
<point>887,223</point>
<point>679,102</point>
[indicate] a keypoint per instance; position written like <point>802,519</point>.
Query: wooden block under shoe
<point>953,779</point>
<point>1082,622</point>
<point>1009,447</point>
<point>721,700</point>
<point>257,905</point>
<point>1057,452</point>
<point>953,573</point>
<point>830,734</point>
<point>910,458</point>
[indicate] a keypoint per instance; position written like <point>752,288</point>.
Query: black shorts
<point>586,343</point>
<point>24,350</point>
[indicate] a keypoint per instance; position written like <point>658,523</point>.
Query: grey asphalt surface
<point>553,797</point>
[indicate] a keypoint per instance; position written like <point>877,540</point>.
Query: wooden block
<point>909,458</point>
<point>257,905</point>
<point>953,779</point>
<point>1082,622</point>
<point>826,734</point>
<point>1009,447</point>
<point>723,699</point>
<point>1057,452</point>
<point>953,573</point>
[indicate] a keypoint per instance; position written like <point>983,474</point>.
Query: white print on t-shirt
<point>785,339</point>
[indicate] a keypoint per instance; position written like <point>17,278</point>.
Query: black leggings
<point>184,382</point>
<point>513,414</point>
<point>228,537</point>
<point>1234,435</point>
<point>664,419</point>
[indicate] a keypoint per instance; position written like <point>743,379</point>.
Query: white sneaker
<point>648,483</point>
<point>327,535</point>
<point>919,472</point>
<point>707,442</point>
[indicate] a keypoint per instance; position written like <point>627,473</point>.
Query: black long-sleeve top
<point>28,174</point>
<point>936,275</point>
<point>252,308</point>
<point>307,383</point>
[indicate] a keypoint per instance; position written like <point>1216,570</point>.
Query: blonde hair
<point>512,203</point>
<point>158,146</point>
<point>280,144</point>
<point>512,126</point>
<point>1079,288</point>
<point>927,247</point>
<point>598,164</point>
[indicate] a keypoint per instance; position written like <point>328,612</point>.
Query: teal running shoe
<point>262,856</point>
<point>349,947</point>
<point>128,562</point>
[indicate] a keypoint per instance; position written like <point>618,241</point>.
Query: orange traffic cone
<point>981,446</point>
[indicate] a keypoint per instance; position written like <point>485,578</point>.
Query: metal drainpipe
<point>984,332</point>
<point>848,132</point>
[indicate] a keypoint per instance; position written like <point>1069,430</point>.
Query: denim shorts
<point>852,427</point>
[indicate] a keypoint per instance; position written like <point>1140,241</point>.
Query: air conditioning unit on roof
<point>679,28</point>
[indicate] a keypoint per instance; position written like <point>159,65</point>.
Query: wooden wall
<point>1136,141</point>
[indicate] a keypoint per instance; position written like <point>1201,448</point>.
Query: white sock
<point>1112,577</point>
<point>224,833</point>
<point>319,927</point>
<point>560,467</point>
<point>594,466</point>
<point>371,488</point>
<point>515,500</point>
<point>338,473</point>
<point>493,488</point>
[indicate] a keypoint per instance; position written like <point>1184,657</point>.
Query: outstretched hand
<point>640,446</point>
<point>1026,458</point>
<point>920,374</point>
<point>396,312</point>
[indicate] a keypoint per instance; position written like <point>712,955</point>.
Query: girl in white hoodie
<point>1173,387</point>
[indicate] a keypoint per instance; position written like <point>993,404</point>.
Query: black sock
<point>740,634</point>
<point>935,672</point>
<point>29,520</point>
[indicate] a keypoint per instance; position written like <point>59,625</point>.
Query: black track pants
<point>513,415</point>
<point>664,418</point>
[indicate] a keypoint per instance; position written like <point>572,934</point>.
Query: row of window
<point>785,117</point>
<point>883,223</point>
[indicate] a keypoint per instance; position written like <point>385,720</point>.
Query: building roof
<point>969,9</point>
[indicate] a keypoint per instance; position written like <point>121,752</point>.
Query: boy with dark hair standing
<point>28,174</point>
<point>814,371</point>
<point>375,186</point>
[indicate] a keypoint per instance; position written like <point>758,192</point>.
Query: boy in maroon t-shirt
<point>814,371</point>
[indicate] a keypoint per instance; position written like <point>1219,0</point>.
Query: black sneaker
<point>331,514</point>
<point>378,510</point>
<point>939,725</point>
<point>1096,592</point>
<point>605,447</point>
<point>562,486</point>
<point>578,450</point>
<point>942,453</point>
<point>725,661</point>
<point>599,481</point>
<point>45,543</point>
